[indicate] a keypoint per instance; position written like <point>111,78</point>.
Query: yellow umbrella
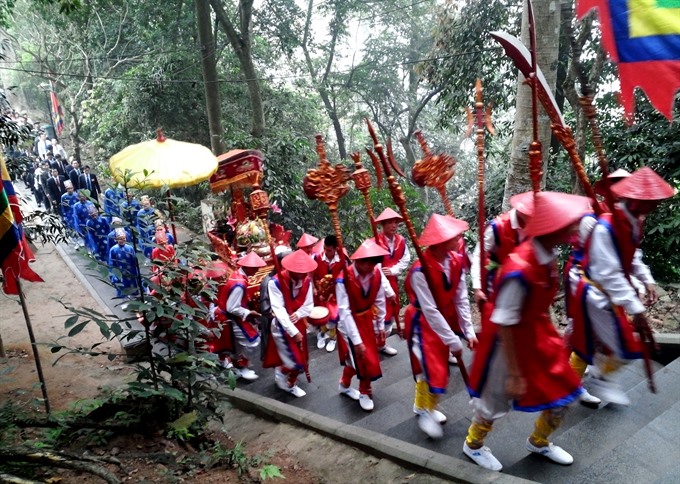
<point>163,162</point>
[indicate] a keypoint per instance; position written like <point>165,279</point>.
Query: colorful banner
<point>643,38</point>
<point>15,254</point>
<point>57,112</point>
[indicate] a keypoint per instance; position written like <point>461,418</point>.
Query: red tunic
<point>505,239</point>
<point>325,276</point>
<point>391,260</point>
<point>362,304</point>
<point>582,339</point>
<point>434,353</point>
<point>299,355</point>
<point>227,340</point>
<point>539,348</point>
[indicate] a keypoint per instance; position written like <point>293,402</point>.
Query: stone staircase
<point>635,444</point>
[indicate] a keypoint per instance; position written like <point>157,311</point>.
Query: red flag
<point>57,112</point>
<point>15,254</point>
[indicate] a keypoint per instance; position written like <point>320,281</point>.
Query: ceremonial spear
<point>362,180</point>
<point>483,119</point>
<point>434,171</point>
<point>400,200</point>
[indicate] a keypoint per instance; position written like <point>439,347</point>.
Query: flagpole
<point>48,98</point>
<point>31,336</point>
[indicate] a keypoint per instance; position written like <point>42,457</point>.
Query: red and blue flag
<point>643,38</point>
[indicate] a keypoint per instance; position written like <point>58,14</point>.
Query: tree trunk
<point>547,20</point>
<point>337,127</point>
<point>211,86</point>
<point>74,133</point>
<point>240,42</point>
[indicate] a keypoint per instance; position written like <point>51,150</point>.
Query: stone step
<point>593,440</point>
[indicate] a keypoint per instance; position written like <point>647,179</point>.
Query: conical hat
<point>388,214</point>
<point>369,249</point>
<point>554,211</point>
<point>252,260</point>
<point>643,184</point>
<point>620,173</point>
<point>306,240</point>
<point>523,202</point>
<point>299,262</point>
<point>441,228</point>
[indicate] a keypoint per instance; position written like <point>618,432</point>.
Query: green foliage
<point>270,471</point>
<point>650,141</point>
<point>463,51</point>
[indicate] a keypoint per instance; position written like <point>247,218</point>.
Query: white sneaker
<point>330,346</point>
<point>226,363</point>
<point>438,416</point>
<point>321,340</point>
<point>609,391</point>
<point>247,374</point>
<point>452,360</point>
<point>483,457</point>
<point>428,424</point>
<point>588,400</point>
<point>366,402</point>
<point>352,393</point>
<point>553,452</point>
<point>388,350</point>
<point>296,391</point>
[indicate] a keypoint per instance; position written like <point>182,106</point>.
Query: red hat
<point>306,240</point>
<point>554,211</point>
<point>252,260</point>
<point>388,214</point>
<point>620,173</point>
<point>299,262</point>
<point>441,228</point>
<point>523,202</point>
<point>643,184</point>
<point>369,249</point>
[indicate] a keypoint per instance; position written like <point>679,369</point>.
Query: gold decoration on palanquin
<point>433,171</point>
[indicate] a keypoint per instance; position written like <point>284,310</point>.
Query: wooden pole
<point>34,346</point>
<point>362,181</point>
<point>400,201</point>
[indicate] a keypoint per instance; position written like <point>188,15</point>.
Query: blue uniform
<point>97,237</point>
<point>146,229</point>
<point>68,200</point>
<point>81,214</point>
<point>111,238</point>
<point>112,201</point>
<point>122,259</point>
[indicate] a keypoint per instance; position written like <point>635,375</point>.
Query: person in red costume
<point>501,236</point>
<point>238,335</point>
<point>328,269</point>
<point>361,306</point>
<point>393,264</point>
<point>163,253</point>
<point>521,359</point>
<point>306,243</point>
<point>603,297</point>
<point>290,295</point>
<point>437,317</point>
